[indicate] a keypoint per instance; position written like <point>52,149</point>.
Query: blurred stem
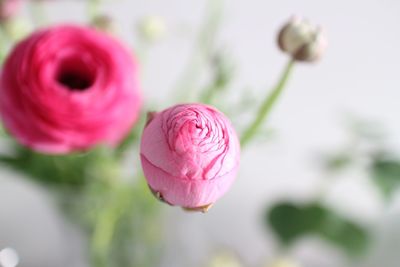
<point>116,199</point>
<point>107,221</point>
<point>267,105</point>
<point>141,52</point>
<point>2,131</point>
<point>209,94</point>
<point>222,78</point>
<point>203,48</point>
<point>4,43</point>
<point>38,13</point>
<point>93,9</point>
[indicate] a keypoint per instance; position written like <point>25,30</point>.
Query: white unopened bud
<point>283,262</point>
<point>302,40</point>
<point>225,259</point>
<point>152,28</point>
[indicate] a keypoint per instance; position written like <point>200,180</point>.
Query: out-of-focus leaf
<point>69,170</point>
<point>367,130</point>
<point>343,233</point>
<point>290,222</point>
<point>386,174</point>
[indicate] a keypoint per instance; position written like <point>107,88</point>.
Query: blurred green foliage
<point>367,147</point>
<point>222,68</point>
<point>119,215</point>
<point>292,221</point>
<point>67,170</point>
<point>338,161</point>
<point>385,173</point>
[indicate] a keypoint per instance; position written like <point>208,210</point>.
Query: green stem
<point>267,105</point>
<point>107,222</point>
<point>209,94</point>
<point>38,13</point>
<point>93,9</point>
<point>4,44</point>
<point>204,46</point>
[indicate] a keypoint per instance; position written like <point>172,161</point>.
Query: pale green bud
<point>152,28</point>
<point>284,262</point>
<point>302,40</point>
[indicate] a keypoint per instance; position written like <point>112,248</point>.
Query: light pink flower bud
<point>69,88</point>
<point>190,155</point>
<point>302,40</point>
<point>8,8</point>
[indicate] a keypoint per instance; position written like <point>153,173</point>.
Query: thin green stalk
<point>223,74</point>
<point>209,94</point>
<point>4,44</point>
<point>93,9</point>
<point>107,222</point>
<point>204,46</point>
<point>267,105</point>
<point>38,13</point>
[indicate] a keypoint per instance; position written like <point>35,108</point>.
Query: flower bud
<point>283,262</point>
<point>152,28</point>
<point>225,259</point>
<point>9,8</point>
<point>302,40</point>
<point>190,155</point>
<point>103,23</point>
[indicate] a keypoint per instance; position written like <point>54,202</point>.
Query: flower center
<point>75,74</point>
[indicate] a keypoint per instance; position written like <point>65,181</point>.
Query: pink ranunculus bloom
<point>69,88</point>
<point>8,8</point>
<point>190,155</point>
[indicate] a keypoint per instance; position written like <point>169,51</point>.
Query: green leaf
<point>68,170</point>
<point>292,221</point>
<point>343,233</point>
<point>386,174</point>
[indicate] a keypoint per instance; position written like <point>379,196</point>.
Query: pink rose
<point>190,155</point>
<point>8,8</point>
<point>69,88</point>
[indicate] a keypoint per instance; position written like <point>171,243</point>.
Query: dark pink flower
<point>69,88</point>
<point>190,155</point>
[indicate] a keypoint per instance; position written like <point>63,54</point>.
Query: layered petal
<point>190,154</point>
<point>69,88</point>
